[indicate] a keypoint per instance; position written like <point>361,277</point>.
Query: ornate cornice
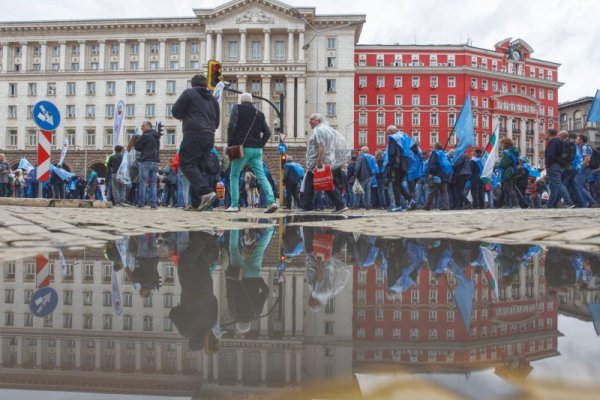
<point>87,26</point>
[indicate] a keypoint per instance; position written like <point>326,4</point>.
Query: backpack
<point>595,158</point>
<point>444,162</point>
<point>568,152</point>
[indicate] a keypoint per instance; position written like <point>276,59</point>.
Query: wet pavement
<point>292,308</point>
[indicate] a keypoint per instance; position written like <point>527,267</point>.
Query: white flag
<point>492,156</point>
<point>119,113</point>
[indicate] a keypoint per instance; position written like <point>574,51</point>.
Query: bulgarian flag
<point>489,266</point>
<point>490,156</point>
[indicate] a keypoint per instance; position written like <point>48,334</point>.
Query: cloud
<point>558,30</point>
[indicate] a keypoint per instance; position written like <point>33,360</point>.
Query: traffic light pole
<point>281,125</point>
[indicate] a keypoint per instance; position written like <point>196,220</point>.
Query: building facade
<point>421,89</point>
<point>85,67</point>
<point>573,118</point>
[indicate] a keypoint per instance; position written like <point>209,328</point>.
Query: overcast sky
<point>558,30</point>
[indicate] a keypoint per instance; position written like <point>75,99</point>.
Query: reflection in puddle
<point>257,311</point>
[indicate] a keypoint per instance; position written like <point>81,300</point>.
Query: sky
<point>558,30</point>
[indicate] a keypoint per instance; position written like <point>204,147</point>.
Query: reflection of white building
<point>140,351</point>
<point>84,67</point>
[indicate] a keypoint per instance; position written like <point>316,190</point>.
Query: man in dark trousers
<point>554,168</point>
<point>199,111</point>
<point>148,146</point>
<point>117,188</point>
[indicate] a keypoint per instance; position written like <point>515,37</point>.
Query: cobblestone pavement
<point>26,231</point>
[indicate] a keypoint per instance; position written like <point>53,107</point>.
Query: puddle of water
<point>261,312</point>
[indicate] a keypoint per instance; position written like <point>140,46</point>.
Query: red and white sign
<point>42,272</point>
<point>43,161</point>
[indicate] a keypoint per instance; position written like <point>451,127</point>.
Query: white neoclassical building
<point>267,47</point>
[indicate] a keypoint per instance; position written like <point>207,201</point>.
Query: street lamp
<point>319,32</point>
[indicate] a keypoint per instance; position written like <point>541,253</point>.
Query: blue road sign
<point>282,147</point>
<point>281,267</point>
<point>46,115</point>
<point>43,302</point>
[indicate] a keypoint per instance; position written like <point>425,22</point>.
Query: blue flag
<point>25,165</point>
<point>594,114</point>
<point>464,129</point>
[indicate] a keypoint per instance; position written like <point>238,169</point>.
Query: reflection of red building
<point>421,89</point>
<point>423,328</point>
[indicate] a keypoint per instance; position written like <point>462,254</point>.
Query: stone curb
<point>58,203</point>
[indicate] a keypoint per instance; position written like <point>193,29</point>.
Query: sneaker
<point>154,208</point>
<point>189,207</point>
<point>396,209</point>
<point>233,209</point>
<point>412,205</point>
<point>272,208</point>
<point>570,206</point>
<point>341,210</point>
<point>207,200</point>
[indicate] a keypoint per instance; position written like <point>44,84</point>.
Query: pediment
<point>252,13</point>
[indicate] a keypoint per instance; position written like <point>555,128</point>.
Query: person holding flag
<point>477,186</point>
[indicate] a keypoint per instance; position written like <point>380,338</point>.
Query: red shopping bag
<point>323,179</point>
<point>322,245</point>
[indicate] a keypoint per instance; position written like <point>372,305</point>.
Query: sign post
<point>47,117</point>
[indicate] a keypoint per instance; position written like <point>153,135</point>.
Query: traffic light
<point>159,128</point>
<point>214,73</point>
<point>283,159</point>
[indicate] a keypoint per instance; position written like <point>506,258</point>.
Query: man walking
<point>582,180</point>
<point>118,188</point>
<point>148,146</point>
<point>320,151</point>
<point>554,168</point>
<point>440,172</point>
<point>398,157</point>
<point>199,111</point>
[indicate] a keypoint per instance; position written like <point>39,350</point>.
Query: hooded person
<point>199,112</point>
<point>197,312</point>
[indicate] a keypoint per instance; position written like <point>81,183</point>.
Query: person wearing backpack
<point>364,171</point>
<point>555,165</point>
<point>509,163</point>
<point>572,159</point>
<point>582,180</point>
<point>440,174</point>
<point>293,174</point>
<point>397,159</point>
<point>461,172</point>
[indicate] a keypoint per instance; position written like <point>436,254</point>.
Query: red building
<point>421,89</point>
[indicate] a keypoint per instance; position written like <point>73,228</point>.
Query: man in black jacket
<point>199,111</point>
<point>148,145</point>
<point>117,188</point>
<point>554,168</point>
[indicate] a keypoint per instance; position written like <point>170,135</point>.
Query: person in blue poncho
<point>477,186</point>
<point>397,159</point>
<point>365,168</point>
<point>440,173</point>
<point>293,173</point>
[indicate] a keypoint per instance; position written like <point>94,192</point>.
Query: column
<point>263,367</point>
<point>290,55</point>
<point>138,356</point>
<point>209,46</point>
<point>24,57</point>
<point>102,55</point>
<point>288,311</point>
<point>158,358</point>
<point>118,355</point>
<point>98,355</point>
<point>4,57</point>
<point>162,54</point>
<point>266,93</point>
<point>298,366</point>
<point>288,367</point>
<point>267,52</point>
<point>301,106</point>
<point>142,55</point>
<point>219,46</point>
<point>122,55</point>
<point>536,276</point>
<point>44,48</point>
<point>203,52</point>
<point>205,366</point>
<point>179,357</point>
<point>523,137</point>
<point>38,353</point>
<point>182,53</point>
<point>242,79</point>
<point>509,131</point>
<point>536,143</point>
<point>243,46</point>
<point>215,366</point>
<point>300,45</point>
<point>63,55</point>
<point>289,110</point>
<point>239,355</point>
<point>77,353</point>
<point>82,54</point>
<point>19,346</point>
<point>58,353</point>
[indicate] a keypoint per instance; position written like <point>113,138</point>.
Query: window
<point>110,111</point>
<point>494,86</point>
<point>90,138</point>
<point>173,64</point>
<point>380,81</point>
<point>90,88</point>
<point>362,60</point>
<point>130,85</point>
<point>133,65</point>
<point>279,50</point>
<point>150,87</point>
<point>433,119</point>
<point>51,90</point>
<point>550,95</point>
<point>416,118</point>
<point>130,110</point>
<point>362,138</point>
<point>451,81</point>
<point>134,48</point>
<point>484,85</point>
<point>433,81</point>
<point>398,119</point>
<point>71,88</point>
<point>194,64</point>
<point>114,66</point>
<point>452,100</point>
<point>150,110</point>
<point>451,120</point>
<point>32,137</point>
<point>331,109</point>
<point>379,60</point>
<point>433,100</point>
<point>90,111</point>
<point>127,322</point>
<point>330,43</point>
<point>433,138</point>
<point>110,88</point>
<point>256,50</point>
<point>362,81</point>
<point>32,89</point>
<point>398,100</point>
<point>415,81</point>
<point>12,112</point>
<point>397,81</point>
<point>174,48</point>
<point>114,49</point>
<point>147,323</point>
<point>279,85</point>
<point>362,119</point>
<point>70,111</point>
<point>380,119</point>
<point>331,62</point>
<point>194,48</point>
<point>12,89</point>
<point>416,100</point>
<point>255,85</point>
<point>362,100</point>
<point>380,138</point>
<point>13,140</point>
<point>331,86</point>
<point>153,66</point>
<point>94,66</point>
<point>380,100</point>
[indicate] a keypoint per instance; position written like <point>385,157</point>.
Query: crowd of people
<point>400,177</point>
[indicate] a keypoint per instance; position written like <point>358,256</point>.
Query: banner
<point>119,113</point>
<point>218,92</point>
<point>63,152</point>
<point>116,293</point>
<point>490,156</point>
<point>464,129</point>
